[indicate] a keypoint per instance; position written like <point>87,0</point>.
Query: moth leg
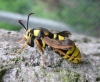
<point>42,60</point>
<point>20,40</point>
<point>62,53</point>
<point>20,48</point>
<point>41,50</point>
<point>39,46</point>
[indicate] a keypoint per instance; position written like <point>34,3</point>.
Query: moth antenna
<point>28,19</point>
<point>20,21</point>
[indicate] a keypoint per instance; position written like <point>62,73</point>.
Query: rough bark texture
<point>26,67</point>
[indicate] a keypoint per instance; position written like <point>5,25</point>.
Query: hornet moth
<point>35,34</point>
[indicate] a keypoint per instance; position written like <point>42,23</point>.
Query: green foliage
<point>19,6</point>
<point>9,26</point>
<point>82,15</point>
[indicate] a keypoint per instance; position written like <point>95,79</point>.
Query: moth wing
<point>64,33</point>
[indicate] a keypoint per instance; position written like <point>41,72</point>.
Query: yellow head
<point>28,35</point>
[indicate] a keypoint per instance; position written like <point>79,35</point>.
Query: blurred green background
<point>82,15</point>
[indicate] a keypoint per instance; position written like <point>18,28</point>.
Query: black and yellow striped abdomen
<point>73,53</point>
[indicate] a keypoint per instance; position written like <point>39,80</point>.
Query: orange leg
<point>20,49</point>
<point>42,59</point>
<point>62,53</point>
<point>41,50</point>
<point>39,46</point>
<point>21,40</point>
